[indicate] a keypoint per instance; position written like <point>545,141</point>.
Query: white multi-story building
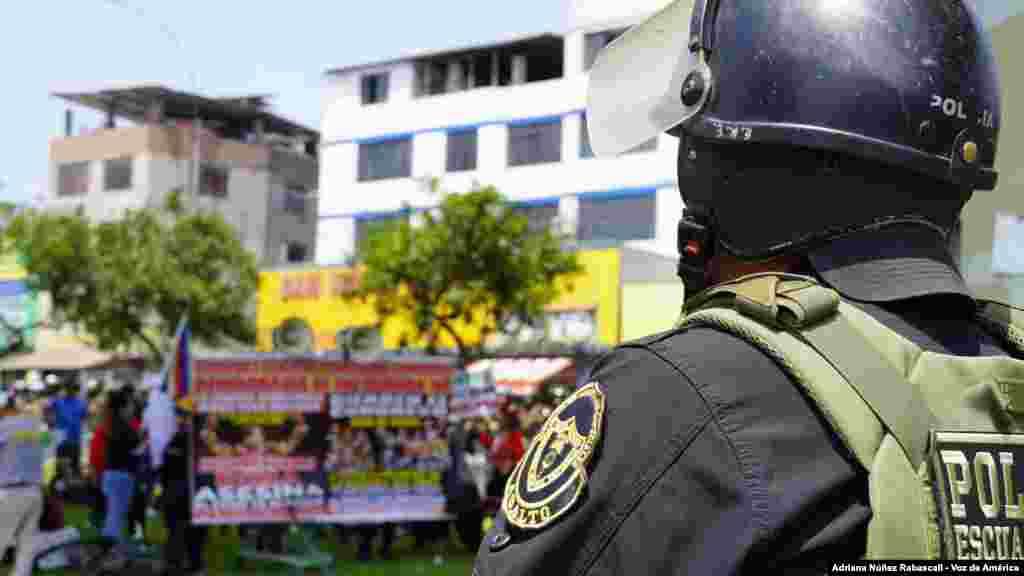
<point>511,115</point>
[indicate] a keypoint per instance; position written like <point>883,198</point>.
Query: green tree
<point>13,337</point>
<point>130,281</point>
<point>470,267</point>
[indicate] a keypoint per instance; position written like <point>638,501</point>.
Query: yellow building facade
<point>589,307</point>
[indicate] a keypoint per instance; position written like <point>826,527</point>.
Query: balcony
<point>533,60</point>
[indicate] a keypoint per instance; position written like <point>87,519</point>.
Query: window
<point>375,88</point>
<point>587,152</point>
<point>295,199</point>
<point>295,252</point>
<point>117,174</point>
<point>461,151</point>
<point>617,217</point>
<point>483,69</point>
<point>389,159</point>
<point>431,77</point>
<point>535,143</point>
<point>369,226</point>
<point>540,215</point>
<point>213,181</point>
<point>594,42</point>
<point>73,179</point>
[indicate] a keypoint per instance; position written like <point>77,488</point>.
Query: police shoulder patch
<point>551,476</point>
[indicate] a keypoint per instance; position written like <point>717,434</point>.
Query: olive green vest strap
<point>896,402</point>
<point>814,314</point>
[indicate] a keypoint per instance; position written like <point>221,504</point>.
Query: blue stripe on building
<point>550,201</point>
<point>384,215</point>
<point>617,194</point>
<point>452,129</point>
<point>609,194</point>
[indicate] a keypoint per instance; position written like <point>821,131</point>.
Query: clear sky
<point>228,47</point>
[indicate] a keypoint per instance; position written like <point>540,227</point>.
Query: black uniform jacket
<point>713,462</point>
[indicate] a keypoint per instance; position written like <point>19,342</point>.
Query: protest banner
<point>312,440</point>
<point>474,393</point>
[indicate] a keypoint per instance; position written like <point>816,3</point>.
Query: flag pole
<point>169,358</point>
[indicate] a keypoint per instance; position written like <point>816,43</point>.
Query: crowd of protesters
<point>116,477</point>
<point>484,452</point>
<point>117,474</point>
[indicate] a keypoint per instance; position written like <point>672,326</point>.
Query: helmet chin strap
<point>696,237</point>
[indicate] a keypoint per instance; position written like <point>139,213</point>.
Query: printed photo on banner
<point>259,466</point>
<point>386,455</point>
<point>318,441</point>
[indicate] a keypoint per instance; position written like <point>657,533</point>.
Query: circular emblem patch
<point>550,477</point>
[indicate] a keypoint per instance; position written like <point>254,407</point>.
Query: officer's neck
<point>724,268</point>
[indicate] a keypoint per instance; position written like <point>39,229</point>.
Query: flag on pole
<point>178,367</point>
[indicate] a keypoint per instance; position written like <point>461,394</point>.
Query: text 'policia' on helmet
<point>910,83</point>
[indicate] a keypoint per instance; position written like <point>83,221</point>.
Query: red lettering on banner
<point>295,376</point>
<point>313,286</point>
<point>304,286</point>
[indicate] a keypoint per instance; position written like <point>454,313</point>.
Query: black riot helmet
<point>852,131</point>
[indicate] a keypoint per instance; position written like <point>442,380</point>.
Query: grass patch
<point>223,544</point>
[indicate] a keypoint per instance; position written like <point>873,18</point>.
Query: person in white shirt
<point>21,478</point>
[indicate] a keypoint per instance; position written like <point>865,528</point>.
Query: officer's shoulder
<point>672,382</point>
<point>645,404</point>
<point>694,352</point>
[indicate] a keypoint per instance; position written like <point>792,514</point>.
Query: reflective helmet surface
<point>910,83</point>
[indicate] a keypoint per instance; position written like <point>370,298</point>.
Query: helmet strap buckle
<point>696,245</point>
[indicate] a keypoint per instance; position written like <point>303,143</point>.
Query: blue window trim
<point>465,129</point>
<point>388,138</point>
<point>610,194</point>
<point>535,121</point>
<point>454,128</point>
<point>534,202</point>
<point>618,194</point>
<point>372,216</point>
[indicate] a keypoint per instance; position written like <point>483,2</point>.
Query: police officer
<point>837,141</point>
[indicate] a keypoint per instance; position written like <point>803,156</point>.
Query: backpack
<point>941,437</point>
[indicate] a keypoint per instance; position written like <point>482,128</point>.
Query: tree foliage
<point>130,281</point>
<point>470,267</point>
<point>14,337</point>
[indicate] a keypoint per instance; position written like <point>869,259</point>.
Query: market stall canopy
<point>524,376</point>
<point>56,351</point>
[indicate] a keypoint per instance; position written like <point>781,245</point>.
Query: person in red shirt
<point>97,464</point>
<point>507,450</point>
<point>480,428</point>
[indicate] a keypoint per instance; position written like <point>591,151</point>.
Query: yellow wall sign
<point>317,296</point>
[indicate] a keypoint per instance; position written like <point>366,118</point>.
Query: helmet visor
<point>636,82</point>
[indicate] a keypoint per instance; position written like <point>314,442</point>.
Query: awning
<point>56,351</point>
<point>523,376</point>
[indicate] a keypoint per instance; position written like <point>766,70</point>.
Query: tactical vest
<point>941,437</point>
